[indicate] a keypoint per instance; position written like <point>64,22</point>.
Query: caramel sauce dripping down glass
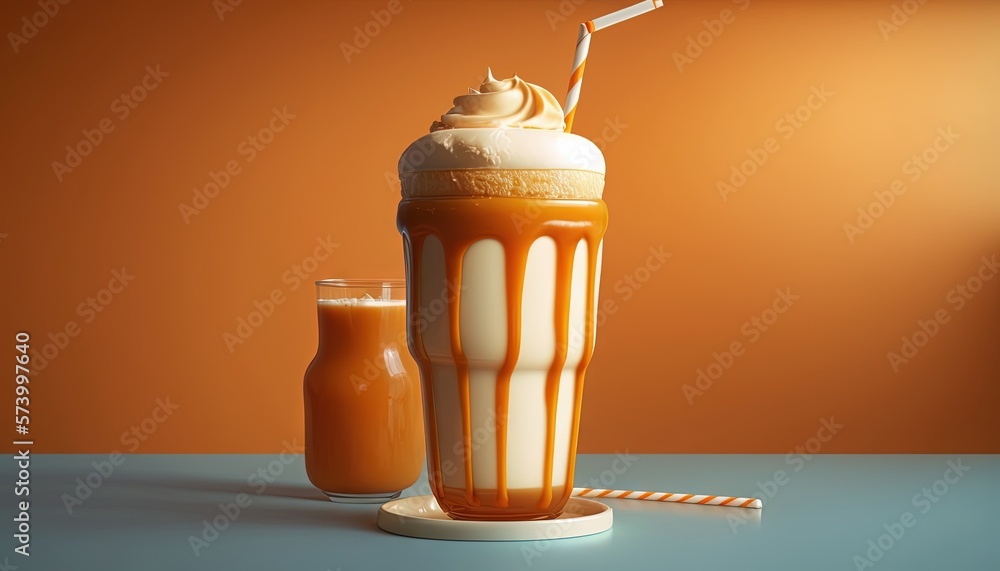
<point>501,321</point>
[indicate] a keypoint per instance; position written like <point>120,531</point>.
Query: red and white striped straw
<point>727,501</point>
<point>583,46</point>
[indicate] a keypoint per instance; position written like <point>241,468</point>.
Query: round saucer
<point>420,516</point>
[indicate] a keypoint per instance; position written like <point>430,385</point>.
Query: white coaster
<point>420,516</point>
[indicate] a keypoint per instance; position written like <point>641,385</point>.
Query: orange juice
<point>364,426</point>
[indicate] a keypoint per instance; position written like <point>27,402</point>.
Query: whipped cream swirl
<point>513,103</point>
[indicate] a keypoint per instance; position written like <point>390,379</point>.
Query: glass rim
<point>362,283</point>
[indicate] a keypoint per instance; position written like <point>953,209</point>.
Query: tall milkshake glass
<point>502,223</point>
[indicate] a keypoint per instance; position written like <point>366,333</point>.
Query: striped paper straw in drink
<point>728,501</point>
<point>583,46</point>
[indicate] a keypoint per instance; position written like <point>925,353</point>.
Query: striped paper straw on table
<point>728,501</point>
<point>583,46</point>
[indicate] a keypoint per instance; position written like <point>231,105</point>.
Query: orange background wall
<point>329,175</point>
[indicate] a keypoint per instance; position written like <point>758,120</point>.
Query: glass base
<point>362,498</point>
<point>499,516</point>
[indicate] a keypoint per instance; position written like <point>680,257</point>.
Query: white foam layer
<point>501,148</point>
<point>360,301</point>
<point>484,341</point>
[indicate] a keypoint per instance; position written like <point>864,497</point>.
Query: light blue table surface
<point>821,515</point>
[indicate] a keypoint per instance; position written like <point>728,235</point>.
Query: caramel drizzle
<point>453,257</point>
<point>565,252</point>
<point>567,223</point>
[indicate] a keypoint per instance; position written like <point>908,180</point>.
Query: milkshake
<point>502,223</point>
